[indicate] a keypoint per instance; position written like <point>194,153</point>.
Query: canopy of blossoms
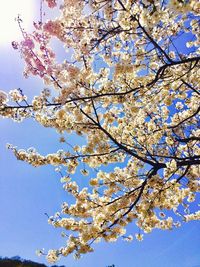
<point>131,90</point>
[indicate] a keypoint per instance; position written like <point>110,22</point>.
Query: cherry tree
<point>129,86</point>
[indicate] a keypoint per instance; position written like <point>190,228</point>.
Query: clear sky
<point>26,193</point>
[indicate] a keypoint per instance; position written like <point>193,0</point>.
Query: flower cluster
<point>16,95</point>
<point>3,98</point>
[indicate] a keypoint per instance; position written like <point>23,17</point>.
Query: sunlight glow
<point>9,11</point>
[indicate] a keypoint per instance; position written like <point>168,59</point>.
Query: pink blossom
<point>53,27</point>
<point>28,43</point>
<point>39,65</point>
<point>51,3</point>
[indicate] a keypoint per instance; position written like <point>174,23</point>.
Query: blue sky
<point>26,193</point>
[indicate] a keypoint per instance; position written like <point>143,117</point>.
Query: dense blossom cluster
<point>130,88</point>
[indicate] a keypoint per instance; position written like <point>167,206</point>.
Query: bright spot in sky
<point>9,10</point>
